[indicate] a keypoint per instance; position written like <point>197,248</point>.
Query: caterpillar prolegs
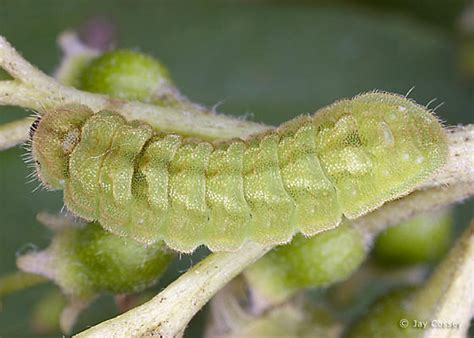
<point>347,159</point>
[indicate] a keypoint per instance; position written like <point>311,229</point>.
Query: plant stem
<point>460,163</point>
<point>18,280</point>
<point>35,90</point>
<point>14,133</point>
<point>404,208</point>
<point>167,314</point>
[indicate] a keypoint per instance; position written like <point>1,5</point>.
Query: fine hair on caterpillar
<point>33,127</point>
<point>303,176</point>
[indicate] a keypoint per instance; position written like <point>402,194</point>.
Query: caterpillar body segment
<point>347,159</point>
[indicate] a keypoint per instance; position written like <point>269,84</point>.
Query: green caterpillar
<point>347,159</point>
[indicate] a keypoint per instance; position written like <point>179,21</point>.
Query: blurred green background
<point>266,60</point>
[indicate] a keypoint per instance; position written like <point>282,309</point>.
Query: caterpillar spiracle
<point>303,176</point>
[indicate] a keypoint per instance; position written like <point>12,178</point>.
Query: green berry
<point>388,317</point>
<point>422,239</point>
<point>116,264</point>
<point>125,74</point>
<point>320,260</point>
<point>85,260</point>
<point>89,260</point>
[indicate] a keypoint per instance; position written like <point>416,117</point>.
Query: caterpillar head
<point>54,136</point>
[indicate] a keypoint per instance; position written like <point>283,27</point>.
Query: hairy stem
<point>460,164</point>
<point>402,209</point>
<point>167,314</point>
<point>32,89</point>
<point>14,133</point>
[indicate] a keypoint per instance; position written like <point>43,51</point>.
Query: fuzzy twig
<point>460,164</point>
<point>14,133</point>
<point>167,314</point>
<point>404,208</point>
<point>32,89</point>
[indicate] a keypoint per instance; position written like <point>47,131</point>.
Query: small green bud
<point>89,260</point>
<point>125,74</point>
<point>47,311</point>
<point>388,317</point>
<point>86,261</point>
<point>422,239</point>
<point>320,260</point>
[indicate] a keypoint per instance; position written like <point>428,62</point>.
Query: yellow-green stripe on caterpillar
<point>347,159</point>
